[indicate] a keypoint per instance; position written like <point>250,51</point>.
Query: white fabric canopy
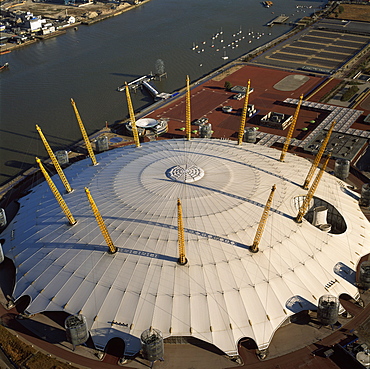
<point>224,292</point>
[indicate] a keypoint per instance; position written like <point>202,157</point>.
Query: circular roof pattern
<point>224,292</point>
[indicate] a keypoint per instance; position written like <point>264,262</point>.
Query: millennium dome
<point>224,292</point>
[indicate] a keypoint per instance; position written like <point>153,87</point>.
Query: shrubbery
<point>349,93</point>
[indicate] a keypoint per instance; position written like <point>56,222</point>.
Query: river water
<point>90,63</point>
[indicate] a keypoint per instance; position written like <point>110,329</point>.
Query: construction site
<point>235,237</point>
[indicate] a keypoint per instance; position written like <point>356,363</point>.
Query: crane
<point>112,249</point>
<point>55,161</point>
<point>57,194</point>
<point>132,116</point>
<point>244,114</point>
<point>181,236</point>
<point>303,209</point>
<point>262,223</point>
<point>291,130</point>
<point>84,134</point>
<point>188,112</point>
<point>318,157</point>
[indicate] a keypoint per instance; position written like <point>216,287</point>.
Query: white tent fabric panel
<point>296,285</point>
<point>227,280</point>
<point>211,279</point>
<point>225,339</point>
<point>180,323</point>
<point>278,284</point>
<point>224,291</point>
<point>109,307</point>
<point>162,313</point>
<point>269,300</point>
<point>40,302</point>
<point>200,315</point>
<point>86,298</point>
<point>126,313</point>
<point>56,283</point>
<point>144,313</point>
<point>219,316</point>
<point>235,305</point>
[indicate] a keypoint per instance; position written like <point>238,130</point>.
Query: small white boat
<point>224,56</point>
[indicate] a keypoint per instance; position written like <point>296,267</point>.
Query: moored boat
<point>4,66</point>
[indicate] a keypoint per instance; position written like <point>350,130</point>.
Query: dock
<point>144,82</point>
<point>135,84</point>
<point>278,20</point>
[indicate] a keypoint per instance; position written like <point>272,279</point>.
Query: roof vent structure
<point>152,344</point>
<point>364,277</point>
<point>76,330</point>
<point>327,310</point>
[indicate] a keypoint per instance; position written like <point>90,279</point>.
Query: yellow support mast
<point>132,116</point>
<point>188,111</point>
<point>84,134</point>
<point>244,114</point>
<point>291,130</point>
<point>100,221</point>
<point>303,209</point>
<point>57,194</point>
<point>262,224</point>
<point>181,235</point>
<point>55,161</point>
<point>318,157</point>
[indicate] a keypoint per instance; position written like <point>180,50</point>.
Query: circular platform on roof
<point>224,292</point>
<point>146,123</point>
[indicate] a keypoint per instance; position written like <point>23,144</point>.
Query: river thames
<point>89,64</point>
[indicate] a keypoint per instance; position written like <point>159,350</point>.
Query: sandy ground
<point>353,12</point>
<point>55,11</point>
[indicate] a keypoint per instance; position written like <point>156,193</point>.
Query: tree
<point>228,85</point>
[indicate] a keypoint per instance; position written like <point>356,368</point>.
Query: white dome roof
<point>146,122</point>
<point>224,292</point>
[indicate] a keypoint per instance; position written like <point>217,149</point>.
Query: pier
<point>278,20</point>
<point>135,84</point>
<point>144,82</point>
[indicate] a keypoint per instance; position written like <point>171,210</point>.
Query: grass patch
<point>14,348</point>
<point>349,93</point>
<point>40,360</point>
<point>26,356</point>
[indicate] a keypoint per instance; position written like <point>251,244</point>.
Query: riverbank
<point>85,14</point>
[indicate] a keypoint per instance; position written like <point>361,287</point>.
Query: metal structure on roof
<point>344,117</point>
<point>224,292</point>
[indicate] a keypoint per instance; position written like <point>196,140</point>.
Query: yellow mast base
<point>254,249</point>
<point>182,261</point>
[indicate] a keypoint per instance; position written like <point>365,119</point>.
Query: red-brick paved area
<point>208,98</point>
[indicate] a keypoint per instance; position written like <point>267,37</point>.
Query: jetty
<point>281,19</point>
<point>144,81</point>
<point>135,84</point>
